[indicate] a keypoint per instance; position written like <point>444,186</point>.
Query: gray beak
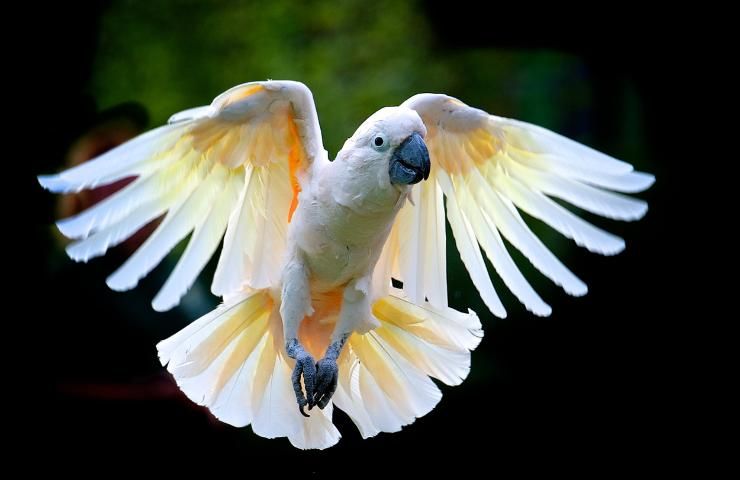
<point>410,161</point>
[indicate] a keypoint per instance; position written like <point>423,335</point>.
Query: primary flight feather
<point>310,246</point>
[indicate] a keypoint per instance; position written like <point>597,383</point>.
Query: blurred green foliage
<point>356,56</point>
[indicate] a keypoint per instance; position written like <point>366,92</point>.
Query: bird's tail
<point>232,361</point>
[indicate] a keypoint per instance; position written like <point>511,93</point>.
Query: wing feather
<point>601,202</point>
<point>568,224</point>
<point>470,254</point>
<point>513,228</point>
<point>229,170</point>
<point>489,168</point>
<point>206,237</point>
<point>489,238</point>
<point>134,157</point>
<point>231,271</point>
<point>178,223</point>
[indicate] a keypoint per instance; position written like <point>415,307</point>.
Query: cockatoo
<point>310,246</point>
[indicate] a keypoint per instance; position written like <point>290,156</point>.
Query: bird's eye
<point>379,142</point>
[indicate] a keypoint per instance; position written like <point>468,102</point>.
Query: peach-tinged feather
<point>488,167</point>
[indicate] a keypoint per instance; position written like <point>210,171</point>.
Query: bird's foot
<point>305,366</point>
<point>327,374</point>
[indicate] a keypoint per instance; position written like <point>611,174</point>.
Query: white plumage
<point>310,246</point>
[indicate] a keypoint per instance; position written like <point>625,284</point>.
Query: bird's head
<point>390,144</point>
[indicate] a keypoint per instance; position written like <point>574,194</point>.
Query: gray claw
<point>304,366</point>
<point>327,374</point>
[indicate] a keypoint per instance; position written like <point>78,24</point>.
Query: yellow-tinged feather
<point>232,264</point>
<point>206,236</point>
<point>393,311</point>
<point>233,322</point>
<point>484,143</point>
<point>168,346</point>
<point>263,374</point>
<point>222,152</point>
<point>246,342</point>
<point>426,323</point>
<point>450,366</point>
<point>203,136</point>
<point>371,353</point>
<point>178,222</point>
<point>388,265</point>
<point>259,154</point>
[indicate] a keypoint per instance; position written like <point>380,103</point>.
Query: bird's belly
<point>340,246</point>
<point>335,265</point>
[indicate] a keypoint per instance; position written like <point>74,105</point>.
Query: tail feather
<point>232,361</point>
<point>384,375</point>
<point>404,389</point>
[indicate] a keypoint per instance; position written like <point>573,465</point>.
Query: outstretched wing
<point>489,168</point>
<point>233,167</point>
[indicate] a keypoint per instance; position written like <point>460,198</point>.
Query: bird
<point>310,314</point>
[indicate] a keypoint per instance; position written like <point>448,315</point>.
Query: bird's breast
<point>339,244</point>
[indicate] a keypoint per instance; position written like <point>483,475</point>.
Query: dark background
<point>592,385</point>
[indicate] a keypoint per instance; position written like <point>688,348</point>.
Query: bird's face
<point>390,144</point>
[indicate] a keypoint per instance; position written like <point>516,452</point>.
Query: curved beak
<point>410,161</point>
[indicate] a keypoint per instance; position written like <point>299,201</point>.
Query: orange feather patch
<point>295,160</point>
<point>243,93</point>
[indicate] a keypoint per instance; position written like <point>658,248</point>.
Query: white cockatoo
<point>310,246</point>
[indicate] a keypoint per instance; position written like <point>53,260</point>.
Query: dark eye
<point>379,142</point>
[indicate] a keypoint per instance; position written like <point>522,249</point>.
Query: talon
<point>305,367</point>
<point>327,373</point>
<point>324,401</point>
<point>319,378</point>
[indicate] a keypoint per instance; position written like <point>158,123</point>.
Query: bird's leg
<point>294,305</point>
<point>305,366</point>
<point>355,310</point>
<point>327,373</point>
